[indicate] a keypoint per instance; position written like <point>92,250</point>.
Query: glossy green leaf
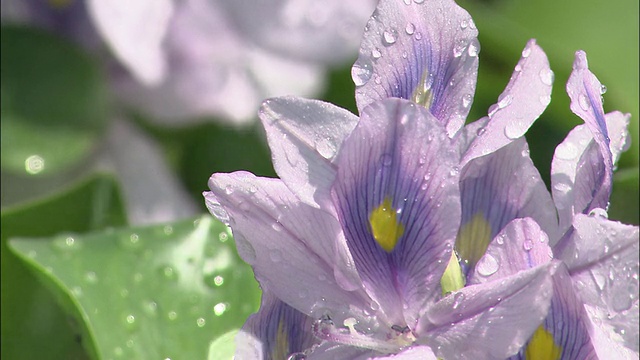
<point>53,102</point>
<point>155,292</point>
<point>33,324</point>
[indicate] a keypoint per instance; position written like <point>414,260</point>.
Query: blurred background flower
<point>163,93</point>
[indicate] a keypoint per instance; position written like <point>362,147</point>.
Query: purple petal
<point>603,258</point>
<point>135,32</point>
<point>304,137</point>
<point>286,241</point>
<point>399,153</point>
<point>520,246</point>
<point>413,353</point>
<point>585,92</point>
<point>496,189</point>
<point>567,322</point>
<point>606,338</point>
<point>411,46</point>
<point>506,311</point>
<point>143,175</point>
<point>274,332</point>
<point>520,104</point>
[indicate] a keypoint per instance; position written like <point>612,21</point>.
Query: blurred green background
<point>168,290</point>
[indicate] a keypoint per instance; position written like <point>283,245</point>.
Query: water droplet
<point>545,99</point>
<point>546,76</point>
<point>584,102</point>
<point>168,230</point>
<point>91,277</point>
<point>514,130</point>
<point>361,71</point>
<point>527,245</point>
<point>386,159</point>
<point>410,29</point>
<point>488,265</point>
<point>169,272</point>
<point>150,308</point>
<point>277,226</point>
<point>504,101</point>
<point>418,1</point>
<point>77,291</point>
<point>457,300</point>
<point>219,309</point>
<point>599,212</point>
<point>275,255</point>
<point>481,131</point>
<point>464,24</point>
<point>526,52</point>
<point>67,243</point>
<point>493,109</point>
<point>418,36</point>
<point>466,100</point>
<point>130,322</point>
<point>458,49</point>
<point>599,279</point>
<point>325,148</point>
<point>201,322</point>
<point>223,237</point>
<point>172,315</point>
<point>218,280</point>
<point>518,67</point>
<point>566,151</point>
<point>375,53</point>
<point>500,240</point>
<point>407,2</point>
<point>603,89</point>
<point>474,48</point>
<point>389,37</point>
<point>218,211</point>
<point>454,171</point>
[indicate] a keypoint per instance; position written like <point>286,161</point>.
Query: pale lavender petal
<point>152,192</point>
<point>603,258</point>
<point>274,332</point>
<point>399,153</point>
<point>326,31</point>
<point>585,92</point>
<point>413,353</point>
<point>609,336</point>
<point>304,137</point>
<point>521,245</point>
<point>491,320</point>
<point>496,189</point>
<point>333,351</point>
<point>285,241</point>
<point>568,198</point>
<point>135,32</point>
<point>214,71</point>
<point>520,104</point>
<point>567,322</point>
<point>428,47</point>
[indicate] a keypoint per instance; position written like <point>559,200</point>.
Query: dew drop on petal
<point>410,29</point>
<point>504,101</point>
<point>219,309</point>
<point>584,102</point>
<point>514,130</point>
<point>526,52</point>
<point>566,151</point>
<point>389,37</point>
<point>200,322</point>
<point>481,131</point>
<point>361,71</point>
<point>545,99</point>
<point>603,89</point>
<point>386,160</point>
<point>474,48</point>
<point>418,1</point>
<point>488,265</point>
<point>599,212</point>
<point>464,24</point>
<point>527,245</point>
<point>375,53</point>
<point>457,300</point>
<point>546,76</point>
<point>466,100</point>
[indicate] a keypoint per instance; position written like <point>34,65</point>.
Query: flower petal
<point>286,241</point>
<point>304,137</point>
<point>585,92</point>
<point>153,193</point>
<point>135,32</point>
<point>567,327</point>
<point>520,246</point>
<point>507,311</point>
<point>400,160</point>
<point>424,52</point>
<point>603,258</point>
<point>274,332</point>
<point>520,104</point>
<point>496,189</point>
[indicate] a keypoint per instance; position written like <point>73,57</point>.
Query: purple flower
<point>354,242</point>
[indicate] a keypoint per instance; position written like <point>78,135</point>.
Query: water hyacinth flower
<point>354,244</point>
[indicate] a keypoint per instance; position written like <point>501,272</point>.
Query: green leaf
<point>155,292</point>
<point>33,325</point>
<point>624,198</point>
<point>53,102</point>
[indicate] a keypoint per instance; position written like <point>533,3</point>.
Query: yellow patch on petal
<point>473,239</point>
<point>281,350</point>
<point>385,227</point>
<point>542,347</point>
<point>422,94</point>
<point>453,279</point>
